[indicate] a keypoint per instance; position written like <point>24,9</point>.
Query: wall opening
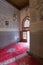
<point>26,31</point>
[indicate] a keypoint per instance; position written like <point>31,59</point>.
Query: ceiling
<point>19,3</point>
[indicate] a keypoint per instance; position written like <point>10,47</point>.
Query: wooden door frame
<point>24,29</point>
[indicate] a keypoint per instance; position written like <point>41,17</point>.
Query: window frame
<point>25,28</point>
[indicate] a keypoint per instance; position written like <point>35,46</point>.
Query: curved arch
<point>26,23</point>
<point>25,30</point>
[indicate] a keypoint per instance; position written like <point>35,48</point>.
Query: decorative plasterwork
<point>3,21</point>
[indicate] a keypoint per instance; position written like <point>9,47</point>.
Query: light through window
<point>27,23</point>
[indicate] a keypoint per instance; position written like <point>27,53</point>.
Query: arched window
<point>25,28</point>
<point>26,23</point>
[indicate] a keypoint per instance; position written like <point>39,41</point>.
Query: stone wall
<point>36,27</point>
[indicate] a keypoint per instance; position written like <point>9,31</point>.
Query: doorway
<point>26,31</point>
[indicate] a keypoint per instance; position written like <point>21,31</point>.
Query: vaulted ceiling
<point>19,3</point>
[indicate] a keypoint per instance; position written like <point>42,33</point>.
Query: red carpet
<point>27,60</point>
<point>5,55</point>
<point>14,63</point>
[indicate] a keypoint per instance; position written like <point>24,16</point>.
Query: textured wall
<point>6,13</point>
<point>36,19</point>
<point>23,13</point>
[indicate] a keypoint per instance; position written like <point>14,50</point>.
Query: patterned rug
<point>27,60</point>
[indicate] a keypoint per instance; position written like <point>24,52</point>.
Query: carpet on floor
<point>27,60</point>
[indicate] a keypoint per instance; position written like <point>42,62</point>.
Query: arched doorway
<point>26,30</point>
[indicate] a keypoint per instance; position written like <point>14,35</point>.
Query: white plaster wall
<point>10,34</point>
<point>6,13</point>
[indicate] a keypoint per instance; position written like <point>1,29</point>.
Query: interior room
<point>21,32</point>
